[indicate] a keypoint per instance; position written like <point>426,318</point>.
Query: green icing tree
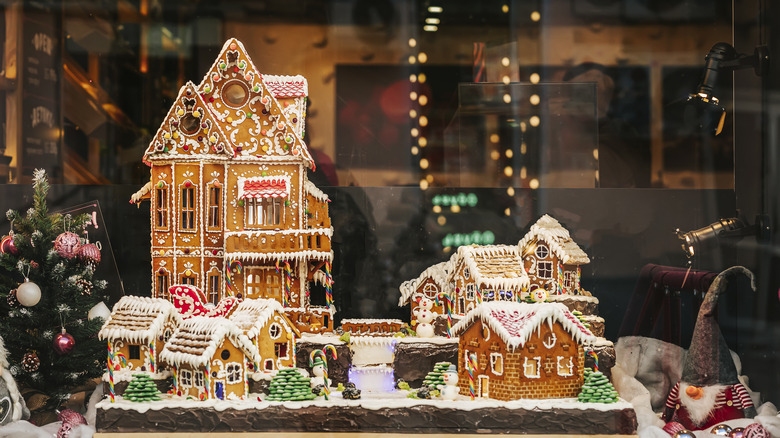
<point>597,388</point>
<point>67,292</point>
<point>141,389</point>
<point>435,378</point>
<point>290,385</point>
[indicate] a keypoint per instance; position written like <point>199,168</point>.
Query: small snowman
<point>450,389</point>
<point>318,369</point>
<point>425,316</point>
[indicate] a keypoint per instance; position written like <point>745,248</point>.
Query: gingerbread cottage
<point>209,359</point>
<point>522,350</point>
<point>233,212</point>
<point>137,331</point>
<point>263,321</point>
<point>428,284</point>
<point>551,258</point>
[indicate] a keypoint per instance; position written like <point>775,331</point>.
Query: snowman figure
<point>425,316</point>
<point>318,369</point>
<point>450,389</point>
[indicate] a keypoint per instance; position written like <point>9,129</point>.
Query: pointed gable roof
<point>253,314</point>
<point>189,132</point>
<point>493,266</point>
<point>515,322</point>
<point>438,273</point>
<point>197,339</point>
<point>558,239</point>
<point>138,319</point>
<point>252,117</point>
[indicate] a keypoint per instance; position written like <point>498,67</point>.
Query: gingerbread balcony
<point>314,243</point>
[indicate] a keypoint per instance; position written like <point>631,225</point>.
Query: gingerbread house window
<point>542,252</point>
<point>162,284</point>
<point>161,208</point>
<point>188,208</point>
<point>185,378</point>
<point>167,334</point>
<point>280,348</point>
<point>233,371</point>
<point>430,290</point>
<point>214,286</point>
<point>188,279</point>
<point>275,330</point>
<point>532,367</point>
<point>470,292</point>
<point>545,270</point>
<point>263,211</point>
<point>134,352</point>
<point>466,273</point>
<point>198,379</point>
<point>268,364</point>
<point>569,278</point>
<point>235,93</point>
<point>497,363</point>
<point>565,368</point>
<point>214,201</point>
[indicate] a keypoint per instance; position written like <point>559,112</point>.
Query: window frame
<point>233,373</point>
<point>185,378</point>
<point>535,367</point>
<point>545,270</point>
<point>256,214</point>
<point>497,361</point>
<point>162,208</point>
<point>214,206</point>
<point>188,218</point>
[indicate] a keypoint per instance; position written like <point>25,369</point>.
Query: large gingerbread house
<point>552,259</point>
<point>137,331</point>
<point>263,321</point>
<point>522,350</point>
<point>232,209</point>
<point>209,357</point>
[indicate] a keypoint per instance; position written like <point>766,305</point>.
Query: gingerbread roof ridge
<point>515,322</point>
<point>138,319</point>
<point>221,142</point>
<point>558,238</point>
<point>438,272</point>
<point>196,340</point>
<point>305,154</point>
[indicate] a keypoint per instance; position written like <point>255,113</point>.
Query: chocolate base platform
<point>398,415</point>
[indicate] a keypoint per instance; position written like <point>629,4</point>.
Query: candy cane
<point>595,359</point>
<point>122,359</point>
<point>471,365</point>
<point>206,379</point>
<point>579,274</point>
<point>315,353</point>
<point>175,380</point>
<point>151,356</point>
<point>239,269</point>
<point>328,285</point>
<point>110,365</point>
<point>479,296</point>
<point>448,308</point>
<point>332,350</point>
<point>560,279</point>
<point>288,273</point>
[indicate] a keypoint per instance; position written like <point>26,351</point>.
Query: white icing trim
<point>132,309</point>
<point>557,238</point>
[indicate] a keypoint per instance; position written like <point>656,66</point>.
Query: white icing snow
<point>197,339</point>
<point>313,190</point>
<point>438,273</point>
<point>138,319</point>
<point>557,238</point>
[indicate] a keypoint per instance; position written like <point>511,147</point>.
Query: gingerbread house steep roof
<point>437,272</point>
<point>558,239</point>
<point>282,86</point>
<point>494,266</point>
<point>516,322</point>
<point>253,314</point>
<point>197,339</point>
<point>189,132</point>
<point>138,319</point>
<point>257,126</point>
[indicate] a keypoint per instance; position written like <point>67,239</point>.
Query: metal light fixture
<point>720,232</point>
<point>703,106</point>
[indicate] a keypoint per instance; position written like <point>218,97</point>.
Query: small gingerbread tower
<point>233,212</point>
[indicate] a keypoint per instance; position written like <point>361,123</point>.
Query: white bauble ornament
<point>99,310</point>
<point>28,293</point>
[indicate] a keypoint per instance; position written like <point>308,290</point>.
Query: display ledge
<point>398,415</point>
<point>322,435</point>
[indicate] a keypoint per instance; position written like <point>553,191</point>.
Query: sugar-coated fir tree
<point>52,345</point>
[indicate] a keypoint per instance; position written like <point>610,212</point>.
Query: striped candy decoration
<point>151,355</point>
<point>328,285</point>
<point>471,365</point>
<point>448,308</point>
<point>595,357</point>
<point>560,279</point>
<point>110,366</point>
<point>239,268</point>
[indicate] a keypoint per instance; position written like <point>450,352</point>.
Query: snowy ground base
<point>375,412</point>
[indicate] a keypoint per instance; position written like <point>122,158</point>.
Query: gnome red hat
<point>709,391</point>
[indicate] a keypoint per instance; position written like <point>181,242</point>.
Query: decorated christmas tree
<point>46,291</point>
<point>597,388</point>
<point>436,377</point>
<point>141,389</point>
<point>290,385</point>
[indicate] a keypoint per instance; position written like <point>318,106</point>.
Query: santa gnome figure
<point>709,392</point>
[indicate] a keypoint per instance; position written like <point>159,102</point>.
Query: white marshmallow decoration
<point>28,293</point>
<point>425,317</point>
<point>99,310</point>
<point>450,389</point>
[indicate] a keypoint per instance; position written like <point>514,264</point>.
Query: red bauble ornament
<point>89,254</point>
<point>30,362</point>
<point>66,244</point>
<point>756,430</point>
<point>7,245</point>
<point>70,420</point>
<point>63,343</point>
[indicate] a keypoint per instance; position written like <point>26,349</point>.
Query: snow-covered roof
<point>558,239</point>
<point>197,339</point>
<point>138,319</point>
<point>251,315</point>
<point>494,266</point>
<point>515,322</point>
<point>286,86</point>
<point>313,190</point>
<point>280,255</point>
<point>438,273</point>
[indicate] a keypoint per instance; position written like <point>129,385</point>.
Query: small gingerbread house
<point>429,284</point>
<point>137,331</point>
<point>263,321</point>
<point>551,258</point>
<point>209,358</point>
<point>233,212</point>
<point>521,350</point>
<point>486,273</point>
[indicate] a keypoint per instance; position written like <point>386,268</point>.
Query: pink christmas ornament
<point>7,245</point>
<point>755,430</point>
<point>673,427</point>
<point>63,343</point>
<point>89,253</point>
<point>67,244</point>
<point>70,420</point>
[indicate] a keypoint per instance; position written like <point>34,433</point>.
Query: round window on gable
<point>542,252</point>
<point>275,330</point>
<point>167,335</point>
<point>225,354</point>
<point>235,93</point>
<point>189,124</point>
